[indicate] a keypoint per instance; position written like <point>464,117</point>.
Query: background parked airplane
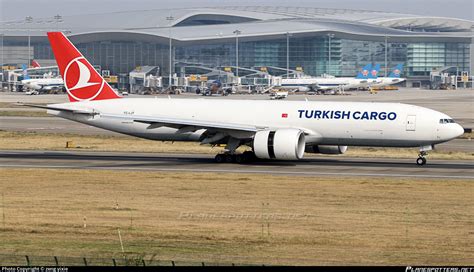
<point>393,77</point>
<point>366,76</point>
<point>46,83</point>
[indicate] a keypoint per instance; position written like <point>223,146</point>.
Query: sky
<point>19,9</point>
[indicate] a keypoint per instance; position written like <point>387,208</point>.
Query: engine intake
<point>326,149</point>
<point>282,144</point>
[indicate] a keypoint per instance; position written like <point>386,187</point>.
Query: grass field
<point>13,109</point>
<point>13,105</point>
<point>218,217</point>
<point>24,113</point>
<point>50,141</point>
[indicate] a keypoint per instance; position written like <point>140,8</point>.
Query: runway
<point>314,166</point>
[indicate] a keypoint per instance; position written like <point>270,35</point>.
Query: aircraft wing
<point>184,124</point>
<point>156,121</point>
<point>179,123</point>
<point>187,125</point>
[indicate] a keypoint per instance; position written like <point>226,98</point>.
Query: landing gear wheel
<point>219,158</point>
<point>229,158</point>
<point>240,158</point>
<point>249,156</point>
<point>421,158</point>
<point>421,161</point>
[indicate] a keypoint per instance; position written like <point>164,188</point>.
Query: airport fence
<point>34,260</point>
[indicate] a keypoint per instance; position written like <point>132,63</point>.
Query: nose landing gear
<point>421,158</point>
<point>423,152</point>
<point>421,161</point>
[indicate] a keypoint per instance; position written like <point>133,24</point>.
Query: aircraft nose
<point>458,130</point>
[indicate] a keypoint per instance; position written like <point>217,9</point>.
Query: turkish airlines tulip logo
<point>81,81</point>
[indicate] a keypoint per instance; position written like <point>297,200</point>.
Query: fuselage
<point>43,83</point>
<point>386,81</point>
<point>327,83</point>
<point>325,123</point>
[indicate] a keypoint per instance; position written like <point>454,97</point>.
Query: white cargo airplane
<point>280,130</point>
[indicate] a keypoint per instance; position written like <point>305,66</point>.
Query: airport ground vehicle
<point>278,95</point>
<point>281,130</point>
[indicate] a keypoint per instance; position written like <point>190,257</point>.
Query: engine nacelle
<point>282,144</point>
<point>326,149</point>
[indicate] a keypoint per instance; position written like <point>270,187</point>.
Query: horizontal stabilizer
<point>55,108</point>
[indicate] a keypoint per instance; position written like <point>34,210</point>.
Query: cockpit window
<point>446,121</point>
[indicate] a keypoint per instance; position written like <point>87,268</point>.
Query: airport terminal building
<point>313,40</point>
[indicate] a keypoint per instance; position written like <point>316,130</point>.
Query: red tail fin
<point>35,64</point>
<point>81,80</point>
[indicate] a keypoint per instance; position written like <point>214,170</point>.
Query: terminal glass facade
<point>311,54</point>
<point>346,56</point>
<point>423,57</point>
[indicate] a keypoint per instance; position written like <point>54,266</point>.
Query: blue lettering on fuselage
<point>356,115</point>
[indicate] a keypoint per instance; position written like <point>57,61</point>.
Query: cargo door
<point>411,122</point>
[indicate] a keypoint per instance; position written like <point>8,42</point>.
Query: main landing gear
<point>421,158</point>
<point>230,156</point>
<point>247,156</point>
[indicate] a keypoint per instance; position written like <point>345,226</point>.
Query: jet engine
<point>282,144</point>
<point>326,149</point>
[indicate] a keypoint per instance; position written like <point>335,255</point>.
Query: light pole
<point>288,54</point>
<point>386,53</point>
<point>237,33</point>
<point>28,20</point>
<point>2,60</point>
<point>330,35</point>
<point>170,18</point>
<point>471,50</point>
<point>58,18</point>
